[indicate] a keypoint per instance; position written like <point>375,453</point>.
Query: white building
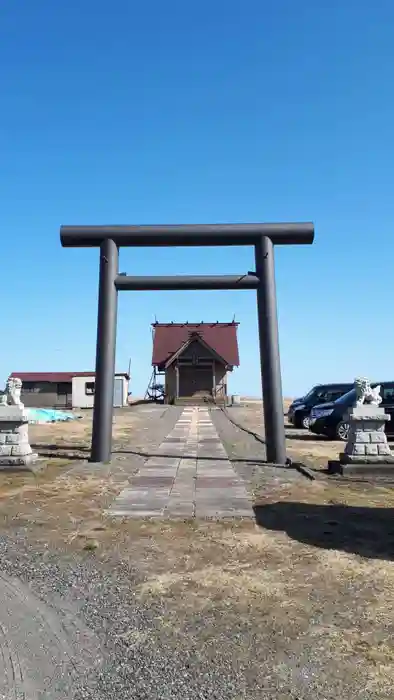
<point>83,391</point>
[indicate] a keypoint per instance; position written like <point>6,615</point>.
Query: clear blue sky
<point>180,112</point>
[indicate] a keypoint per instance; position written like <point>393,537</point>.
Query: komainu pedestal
<point>15,449</point>
<point>367,441</point>
<point>367,451</point>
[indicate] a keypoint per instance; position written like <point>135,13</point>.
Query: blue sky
<point>177,112</point>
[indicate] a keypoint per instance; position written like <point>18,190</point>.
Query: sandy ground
<point>299,604</point>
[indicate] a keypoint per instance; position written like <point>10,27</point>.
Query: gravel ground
<point>157,647</point>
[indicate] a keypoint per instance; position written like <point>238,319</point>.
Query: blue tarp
<point>49,415</point>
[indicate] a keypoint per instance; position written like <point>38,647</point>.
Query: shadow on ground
<point>308,437</point>
<point>67,451</point>
<point>368,532</point>
<point>169,455</point>
<point>74,452</point>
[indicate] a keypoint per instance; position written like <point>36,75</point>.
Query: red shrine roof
<point>56,377</point>
<point>169,337</point>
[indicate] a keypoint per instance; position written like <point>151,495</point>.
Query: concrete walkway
<point>190,476</point>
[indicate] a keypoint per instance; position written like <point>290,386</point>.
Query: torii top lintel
<point>187,234</point>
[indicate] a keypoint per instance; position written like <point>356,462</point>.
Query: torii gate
<point>263,237</point>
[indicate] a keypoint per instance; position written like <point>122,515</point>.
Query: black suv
<point>299,411</point>
<point>329,419</point>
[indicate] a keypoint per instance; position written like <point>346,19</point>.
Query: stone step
<point>198,401</point>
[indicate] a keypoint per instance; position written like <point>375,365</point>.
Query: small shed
<point>195,359</point>
<point>67,389</point>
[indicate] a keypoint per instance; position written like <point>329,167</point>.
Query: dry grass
<point>294,593</point>
<point>73,439</point>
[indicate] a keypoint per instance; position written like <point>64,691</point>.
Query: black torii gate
<point>262,236</point>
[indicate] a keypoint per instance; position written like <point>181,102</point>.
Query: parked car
<point>329,419</point>
<point>299,411</point>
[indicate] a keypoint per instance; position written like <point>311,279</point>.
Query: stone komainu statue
<point>365,393</point>
<point>12,393</point>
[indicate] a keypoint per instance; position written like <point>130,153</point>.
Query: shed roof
<point>56,377</point>
<point>169,337</point>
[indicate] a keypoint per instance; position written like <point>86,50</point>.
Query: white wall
<point>80,399</point>
<point>125,389</point>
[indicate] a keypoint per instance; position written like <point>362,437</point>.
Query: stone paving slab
<point>156,481</point>
<point>190,476</point>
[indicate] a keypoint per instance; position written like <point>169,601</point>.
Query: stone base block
<point>366,459</point>
<point>15,414</point>
<point>367,469</point>
<point>21,450</point>
<point>368,412</point>
<point>26,462</point>
<point>14,438</point>
<point>15,450</point>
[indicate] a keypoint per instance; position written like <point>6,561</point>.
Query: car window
<point>328,395</point>
<point>310,393</point>
<point>387,393</point>
<point>347,398</point>
<point>334,395</point>
<point>321,395</point>
<point>324,396</point>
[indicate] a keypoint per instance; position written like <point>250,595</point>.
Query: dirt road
<point>43,653</point>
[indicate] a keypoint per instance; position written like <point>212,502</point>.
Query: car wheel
<point>305,422</point>
<point>342,431</point>
<point>298,421</point>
